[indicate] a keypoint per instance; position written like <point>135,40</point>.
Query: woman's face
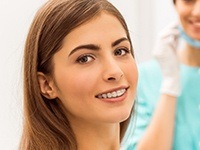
<point>189,14</point>
<point>95,73</point>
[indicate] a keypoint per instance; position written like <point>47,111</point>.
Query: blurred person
<point>168,94</point>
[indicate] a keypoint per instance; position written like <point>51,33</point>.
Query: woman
<point>170,120</point>
<point>80,77</point>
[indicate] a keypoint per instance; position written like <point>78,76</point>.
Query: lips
<point>195,23</point>
<point>112,93</point>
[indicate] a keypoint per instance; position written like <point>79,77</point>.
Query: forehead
<point>100,27</point>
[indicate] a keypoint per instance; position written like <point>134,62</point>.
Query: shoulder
<point>149,83</point>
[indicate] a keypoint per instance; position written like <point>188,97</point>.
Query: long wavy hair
<point>45,125</point>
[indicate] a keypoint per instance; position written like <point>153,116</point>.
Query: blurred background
<point>145,18</point>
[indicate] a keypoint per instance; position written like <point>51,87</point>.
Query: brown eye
<point>121,51</point>
<point>85,59</point>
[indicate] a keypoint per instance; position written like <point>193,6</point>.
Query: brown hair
<point>45,123</point>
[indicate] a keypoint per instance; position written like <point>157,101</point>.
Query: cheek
<point>131,74</point>
<point>75,89</point>
<point>76,83</point>
<point>183,12</point>
<point>84,82</point>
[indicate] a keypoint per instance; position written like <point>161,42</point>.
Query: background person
<point>168,104</point>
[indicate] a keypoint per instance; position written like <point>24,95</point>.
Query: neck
<point>190,56</point>
<point>92,136</point>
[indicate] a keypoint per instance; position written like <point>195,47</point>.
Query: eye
<point>85,59</point>
<point>121,51</point>
<point>187,1</point>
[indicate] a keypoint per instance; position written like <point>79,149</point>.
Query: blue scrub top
<point>187,126</point>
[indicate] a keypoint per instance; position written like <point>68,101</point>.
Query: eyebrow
<point>117,42</point>
<point>96,47</point>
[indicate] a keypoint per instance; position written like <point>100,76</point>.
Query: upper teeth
<point>112,94</point>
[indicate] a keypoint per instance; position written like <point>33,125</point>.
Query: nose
<point>112,71</point>
<point>196,9</point>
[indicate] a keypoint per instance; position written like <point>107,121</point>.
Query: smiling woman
<point>80,77</point>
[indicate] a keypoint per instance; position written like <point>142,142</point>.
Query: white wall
<point>144,17</point>
<point>15,17</point>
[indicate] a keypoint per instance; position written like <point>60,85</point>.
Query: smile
<point>113,94</point>
<point>195,23</point>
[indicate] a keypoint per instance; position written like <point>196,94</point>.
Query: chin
<point>195,37</point>
<point>120,116</point>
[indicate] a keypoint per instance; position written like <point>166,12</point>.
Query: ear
<point>47,86</point>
